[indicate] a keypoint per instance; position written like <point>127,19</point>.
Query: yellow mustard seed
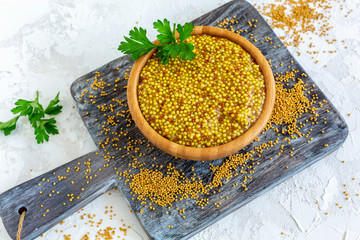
<point>205,102</point>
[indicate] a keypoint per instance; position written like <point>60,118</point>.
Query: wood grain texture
<point>208,153</point>
<point>268,173</point>
<point>35,196</point>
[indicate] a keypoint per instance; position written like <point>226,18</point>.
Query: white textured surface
<point>46,45</point>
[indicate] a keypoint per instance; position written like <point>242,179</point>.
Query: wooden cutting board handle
<point>57,194</point>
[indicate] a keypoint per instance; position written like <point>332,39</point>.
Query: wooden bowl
<point>206,153</point>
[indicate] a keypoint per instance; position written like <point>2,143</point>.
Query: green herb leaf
<point>33,109</point>
<point>9,126</point>
<point>163,53</point>
<point>182,49</point>
<point>35,112</point>
<point>185,31</point>
<point>186,51</point>
<point>23,107</point>
<point>53,108</point>
<point>166,35</point>
<point>29,108</point>
<point>137,45</point>
<point>46,127</point>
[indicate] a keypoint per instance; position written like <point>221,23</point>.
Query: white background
<point>46,45</point>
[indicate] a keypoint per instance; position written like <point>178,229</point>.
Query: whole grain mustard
<point>205,102</point>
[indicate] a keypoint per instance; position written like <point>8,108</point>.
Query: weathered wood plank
<point>50,191</point>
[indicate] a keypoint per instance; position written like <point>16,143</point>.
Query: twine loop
<point>22,217</point>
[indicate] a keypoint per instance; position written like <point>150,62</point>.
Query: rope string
<point>22,217</point>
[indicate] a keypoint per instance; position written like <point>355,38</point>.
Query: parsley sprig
<point>138,43</point>
<point>35,112</point>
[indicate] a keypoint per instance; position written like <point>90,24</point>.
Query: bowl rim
<point>206,153</point>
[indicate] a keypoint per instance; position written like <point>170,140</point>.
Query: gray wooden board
<point>268,173</point>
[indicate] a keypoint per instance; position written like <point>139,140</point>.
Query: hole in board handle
<point>22,209</point>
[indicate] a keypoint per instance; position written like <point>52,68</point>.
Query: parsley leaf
<point>185,31</point>
<point>174,49</point>
<point>163,53</point>
<point>33,109</point>
<point>166,35</point>
<point>46,127</point>
<point>9,126</point>
<point>35,113</point>
<point>138,44</point>
<point>186,51</point>
<point>53,108</point>
<point>29,108</point>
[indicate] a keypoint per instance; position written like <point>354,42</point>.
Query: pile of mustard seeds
<point>299,18</point>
